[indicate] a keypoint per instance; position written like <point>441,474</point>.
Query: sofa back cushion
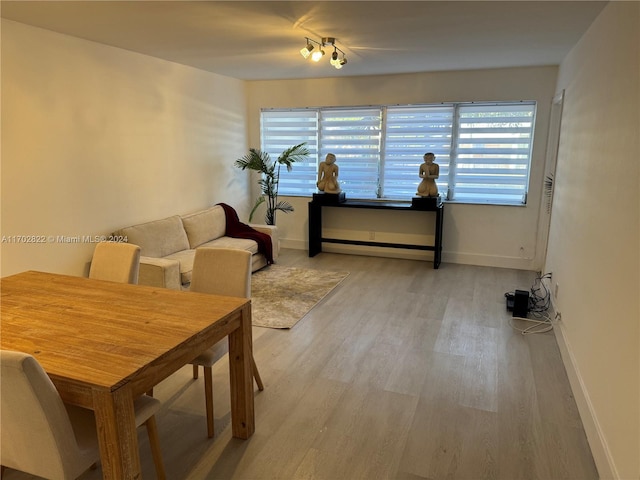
<point>205,225</point>
<point>158,238</point>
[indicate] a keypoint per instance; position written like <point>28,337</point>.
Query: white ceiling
<point>261,39</point>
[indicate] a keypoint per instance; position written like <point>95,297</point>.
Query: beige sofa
<point>167,246</point>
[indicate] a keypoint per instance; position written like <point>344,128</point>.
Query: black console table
<point>315,225</point>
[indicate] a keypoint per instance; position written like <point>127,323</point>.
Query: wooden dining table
<point>104,343</point>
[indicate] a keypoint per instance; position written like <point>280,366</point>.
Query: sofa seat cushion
<point>185,258</point>
<point>158,238</point>
<point>204,226</point>
<point>237,243</point>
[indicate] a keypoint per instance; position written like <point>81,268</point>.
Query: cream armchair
<point>42,436</point>
<point>220,271</point>
<point>117,262</point>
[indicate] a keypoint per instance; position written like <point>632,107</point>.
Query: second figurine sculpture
<point>429,171</point>
<point>328,175</point>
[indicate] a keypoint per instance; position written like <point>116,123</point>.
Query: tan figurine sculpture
<point>429,171</point>
<point>328,175</point>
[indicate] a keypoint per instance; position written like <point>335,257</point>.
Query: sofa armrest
<point>272,231</point>
<point>159,272</point>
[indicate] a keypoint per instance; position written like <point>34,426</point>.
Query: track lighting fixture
<point>319,53</point>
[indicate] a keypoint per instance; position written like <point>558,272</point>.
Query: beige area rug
<point>281,296</point>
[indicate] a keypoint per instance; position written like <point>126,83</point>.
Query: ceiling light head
<point>316,56</point>
<point>339,63</point>
<point>306,51</point>
<point>334,58</point>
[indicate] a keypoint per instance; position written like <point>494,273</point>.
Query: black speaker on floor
<point>520,303</point>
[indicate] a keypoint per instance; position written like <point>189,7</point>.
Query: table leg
<point>117,435</point>
<point>240,346</point>
<point>315,229</point>
<point>437,254</point>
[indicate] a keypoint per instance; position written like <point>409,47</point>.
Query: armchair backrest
<point>115,261</point>
<point>37,436</point>
<point>222,271</point>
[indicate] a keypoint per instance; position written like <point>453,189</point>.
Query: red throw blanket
<point>236,229</point>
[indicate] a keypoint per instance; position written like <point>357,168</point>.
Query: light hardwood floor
<point>402,372</point>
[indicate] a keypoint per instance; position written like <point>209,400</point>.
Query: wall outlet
<point>372,235</point>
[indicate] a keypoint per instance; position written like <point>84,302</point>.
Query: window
<point>410,133</point>
<point>283,129</point>
<point>484,150</point>
<point>353,135</point>
<point>493,150</point>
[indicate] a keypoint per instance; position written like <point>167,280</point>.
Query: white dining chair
<point>116,262</point>
<point>41,435</point>
<point>220,271</point>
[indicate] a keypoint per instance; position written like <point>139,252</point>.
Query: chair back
<point>222,271</point>
<point>116,262</point>
<point>36,435</point>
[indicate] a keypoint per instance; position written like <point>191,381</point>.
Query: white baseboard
<point>599,448</point>
<point>294,244</point>
<point>517,263</point>
<point>408,254</point>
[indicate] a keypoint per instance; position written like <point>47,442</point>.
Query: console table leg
<point>437,253</point>
<point>315,229</point>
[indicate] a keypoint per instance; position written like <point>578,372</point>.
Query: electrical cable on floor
<point>539,326</point>
<point>539,304</point>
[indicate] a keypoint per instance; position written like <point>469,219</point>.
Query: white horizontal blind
<point>493,152</point>
<point>410,132</point>
<point>353,136</point>
<point>280,130</point>
<point>483,150</point>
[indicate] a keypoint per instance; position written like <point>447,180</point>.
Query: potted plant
<point>270,177</point>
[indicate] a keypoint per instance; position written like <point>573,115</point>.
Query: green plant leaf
<point>268,182</point>
<point>293,154</point>
<point>255,160</point>
<point>259,202</point>
<point>284,206</point>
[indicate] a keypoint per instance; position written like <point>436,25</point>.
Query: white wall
<point>95,138</point>
<point>476,234</point>
<point>594,241</point>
